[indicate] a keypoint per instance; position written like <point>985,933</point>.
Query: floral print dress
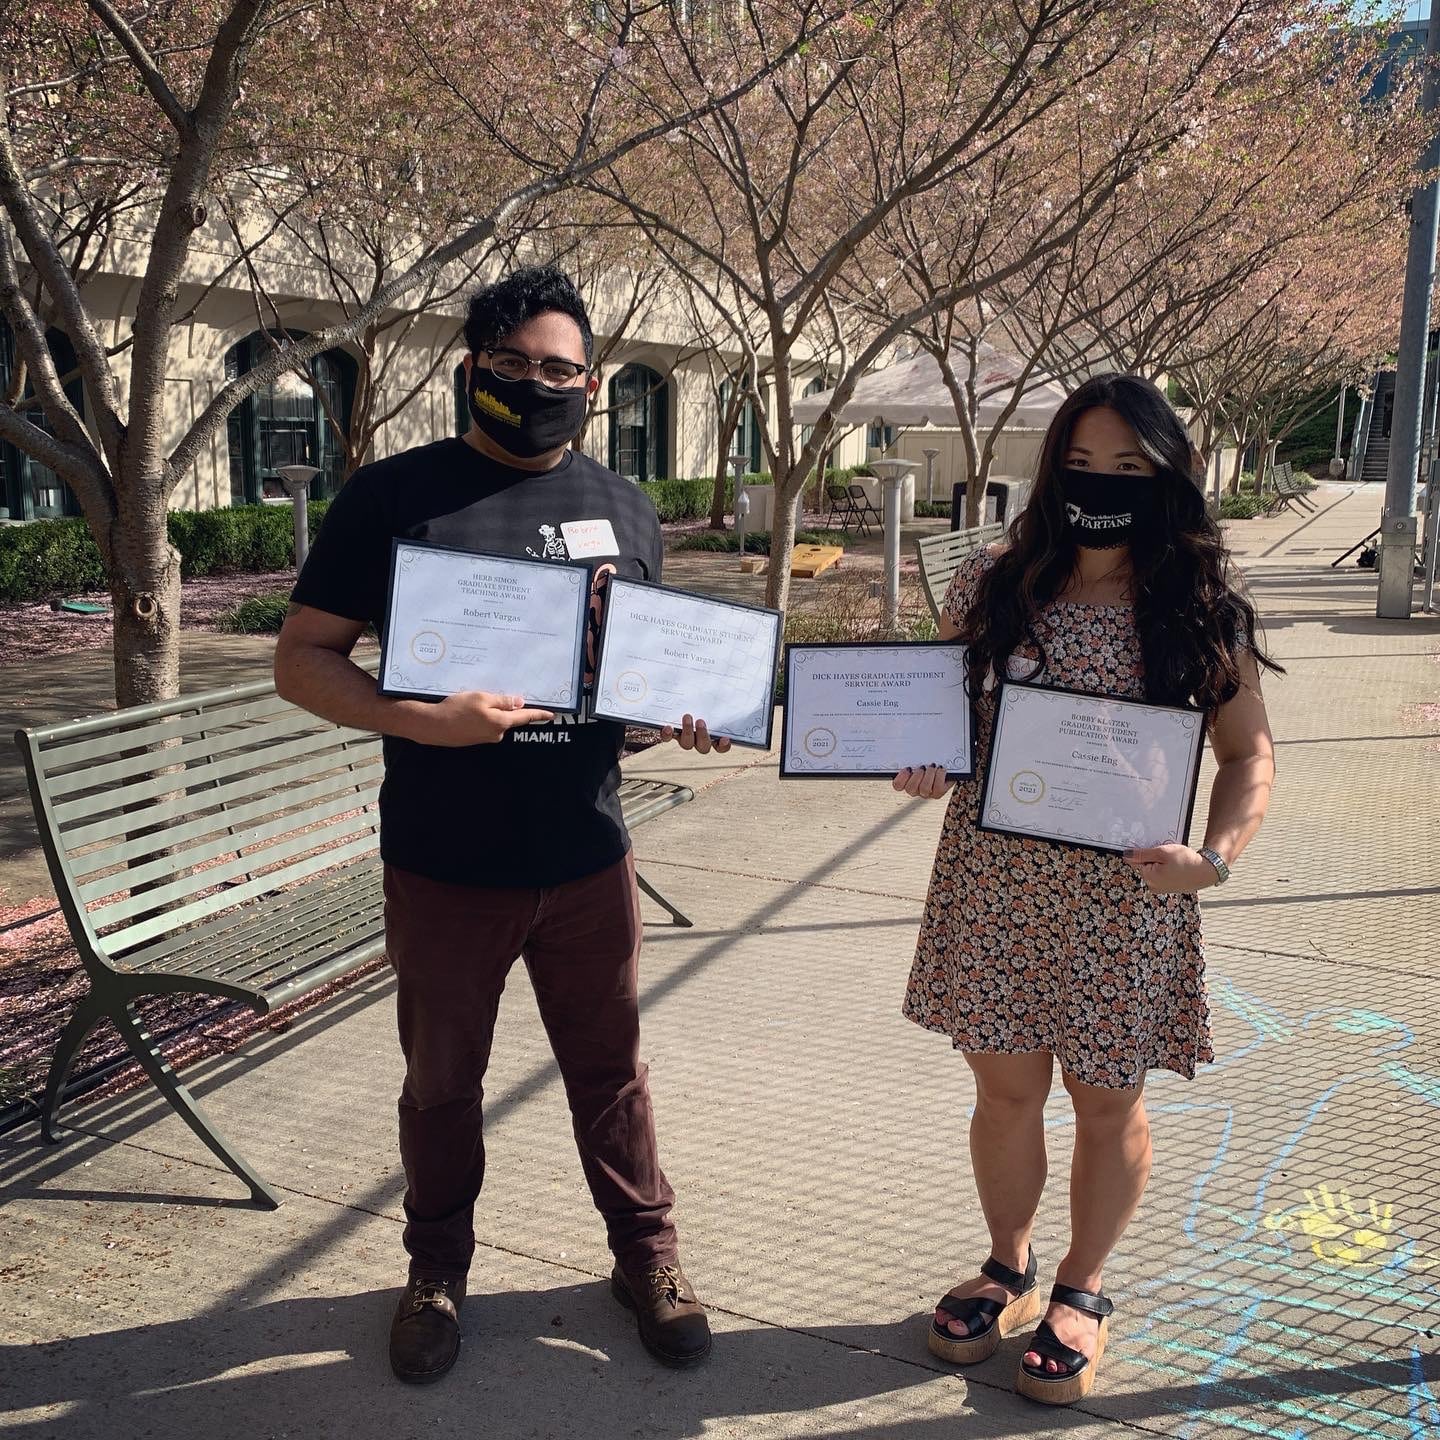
<point>1027,945</point>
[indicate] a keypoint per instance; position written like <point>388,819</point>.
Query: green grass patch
<point>259,615</point>
<point>1244,506</point>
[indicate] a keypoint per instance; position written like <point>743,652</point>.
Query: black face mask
<point>1108,511</point>
<point>524,417</point>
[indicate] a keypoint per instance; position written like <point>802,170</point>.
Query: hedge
<point>690,499</point>
<point>50,557</point>
<point>757,542</point>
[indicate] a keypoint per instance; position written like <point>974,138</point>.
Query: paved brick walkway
<point>1282,1280</point>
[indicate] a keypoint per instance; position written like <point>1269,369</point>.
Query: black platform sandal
<point>1077,1379</point>
<point>999,1319</point>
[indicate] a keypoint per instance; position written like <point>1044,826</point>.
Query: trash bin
<point>997,499</point>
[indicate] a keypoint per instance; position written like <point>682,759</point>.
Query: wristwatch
<point>1222,870</point>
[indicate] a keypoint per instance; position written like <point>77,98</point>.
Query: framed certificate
<point>665,654</point>
<point>1091,770</point>
<point>457,620</point>
<point>867,711</point>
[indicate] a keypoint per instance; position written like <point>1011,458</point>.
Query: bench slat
<point>181,861</point>
<point>59,755</point>
<point>250,890</point>
<point>157,786</point>
<point>266,857</point>
<point>360,784</point>
<point>360,757</point>
<point>292,911</point>
<point>191,754</point>
<point>942,555</point>
<point>286,950</point>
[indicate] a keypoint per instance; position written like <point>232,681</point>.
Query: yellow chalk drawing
<point>1339,1232</point>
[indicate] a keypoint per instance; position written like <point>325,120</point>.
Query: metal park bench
<point>219,844</point>
<point>1288,490</point>
<point>940,557</point>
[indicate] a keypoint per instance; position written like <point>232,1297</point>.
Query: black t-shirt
<point>538,808</point>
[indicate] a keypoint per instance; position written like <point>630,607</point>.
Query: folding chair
<point>862,509</point>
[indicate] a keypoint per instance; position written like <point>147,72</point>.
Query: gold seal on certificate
<point>457,620</point>
<point>665,654</point>
<point>868,711</point>
<point>1091,770</point>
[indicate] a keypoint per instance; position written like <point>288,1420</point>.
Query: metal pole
<point>892,554</point>
<point>1337,467</point>
<point>1397,525</point>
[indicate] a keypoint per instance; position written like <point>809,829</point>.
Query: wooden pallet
<point>808,561</point>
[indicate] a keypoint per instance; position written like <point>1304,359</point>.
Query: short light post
<point>742,500</point>
<point>930,457</point>
<point>297,480</point>
<point>1337,462</point>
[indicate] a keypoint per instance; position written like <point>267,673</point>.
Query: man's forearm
<point>334,687</point>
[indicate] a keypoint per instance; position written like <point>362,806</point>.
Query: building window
<point>746,439</point>
<point>288,423</point>
<point>29,490</point>
<point>639,424</point>
<point>880,437</point>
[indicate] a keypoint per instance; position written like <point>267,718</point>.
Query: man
<point>496,845</point>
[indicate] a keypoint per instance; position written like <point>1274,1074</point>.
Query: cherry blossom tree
<point>180,112</point>
<point>1059,104</point>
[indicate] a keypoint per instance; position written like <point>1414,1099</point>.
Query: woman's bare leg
<point>1007,1150</point>
<point>1107,1179</point>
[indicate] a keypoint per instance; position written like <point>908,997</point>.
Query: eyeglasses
<point>554,373</point>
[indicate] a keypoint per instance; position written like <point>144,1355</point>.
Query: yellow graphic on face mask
<point>491,405</point>
<point>1339,1231</point>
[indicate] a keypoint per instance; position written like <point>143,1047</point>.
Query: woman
<point>1114,580</point>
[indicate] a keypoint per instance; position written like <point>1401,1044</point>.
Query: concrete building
<point>657,409</point>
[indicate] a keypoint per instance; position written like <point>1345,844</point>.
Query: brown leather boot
<point>425,1333</point>
<point>673,1327</point>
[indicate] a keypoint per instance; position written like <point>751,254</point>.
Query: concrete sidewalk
<point>1282,1279</point>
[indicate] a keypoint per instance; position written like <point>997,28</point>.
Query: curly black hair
<point>1194,617</point>
<point>497,311</point>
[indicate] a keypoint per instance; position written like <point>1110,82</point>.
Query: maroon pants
<point>452,947</point>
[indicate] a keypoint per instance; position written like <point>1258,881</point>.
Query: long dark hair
<point>1191,610</point>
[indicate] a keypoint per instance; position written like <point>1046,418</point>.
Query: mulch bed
<point>32,630</point>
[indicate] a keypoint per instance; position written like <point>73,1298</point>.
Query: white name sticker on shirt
<point>589,537</point>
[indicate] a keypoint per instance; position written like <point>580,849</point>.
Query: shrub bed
<point>757,542</point>
<point>59,557</point>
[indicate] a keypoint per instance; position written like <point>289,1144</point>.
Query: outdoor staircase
<point>1376,467</point>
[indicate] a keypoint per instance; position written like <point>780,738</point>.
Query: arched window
<point>28,489</point>
<point>288,423</point>
<point>639,424</point>
<point>746,439</point>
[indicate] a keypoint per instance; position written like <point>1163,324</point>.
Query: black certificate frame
<point>787,773</point>
<point>586,572</point>
<point>601,713</point>
<point>1192,782</point>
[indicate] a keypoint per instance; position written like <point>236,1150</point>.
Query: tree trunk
<point>782,541</point>
<point>717,495</point>
<point>1240,448</point>
<point>145,596</point>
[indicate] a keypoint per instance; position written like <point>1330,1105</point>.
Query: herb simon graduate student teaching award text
<point>457,620</point>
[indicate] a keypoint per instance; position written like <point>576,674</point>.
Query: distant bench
<point>940,557</point>
<point>1288,490</point>
<point>221,844</point>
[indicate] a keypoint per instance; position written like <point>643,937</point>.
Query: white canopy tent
<point>912,392</point>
